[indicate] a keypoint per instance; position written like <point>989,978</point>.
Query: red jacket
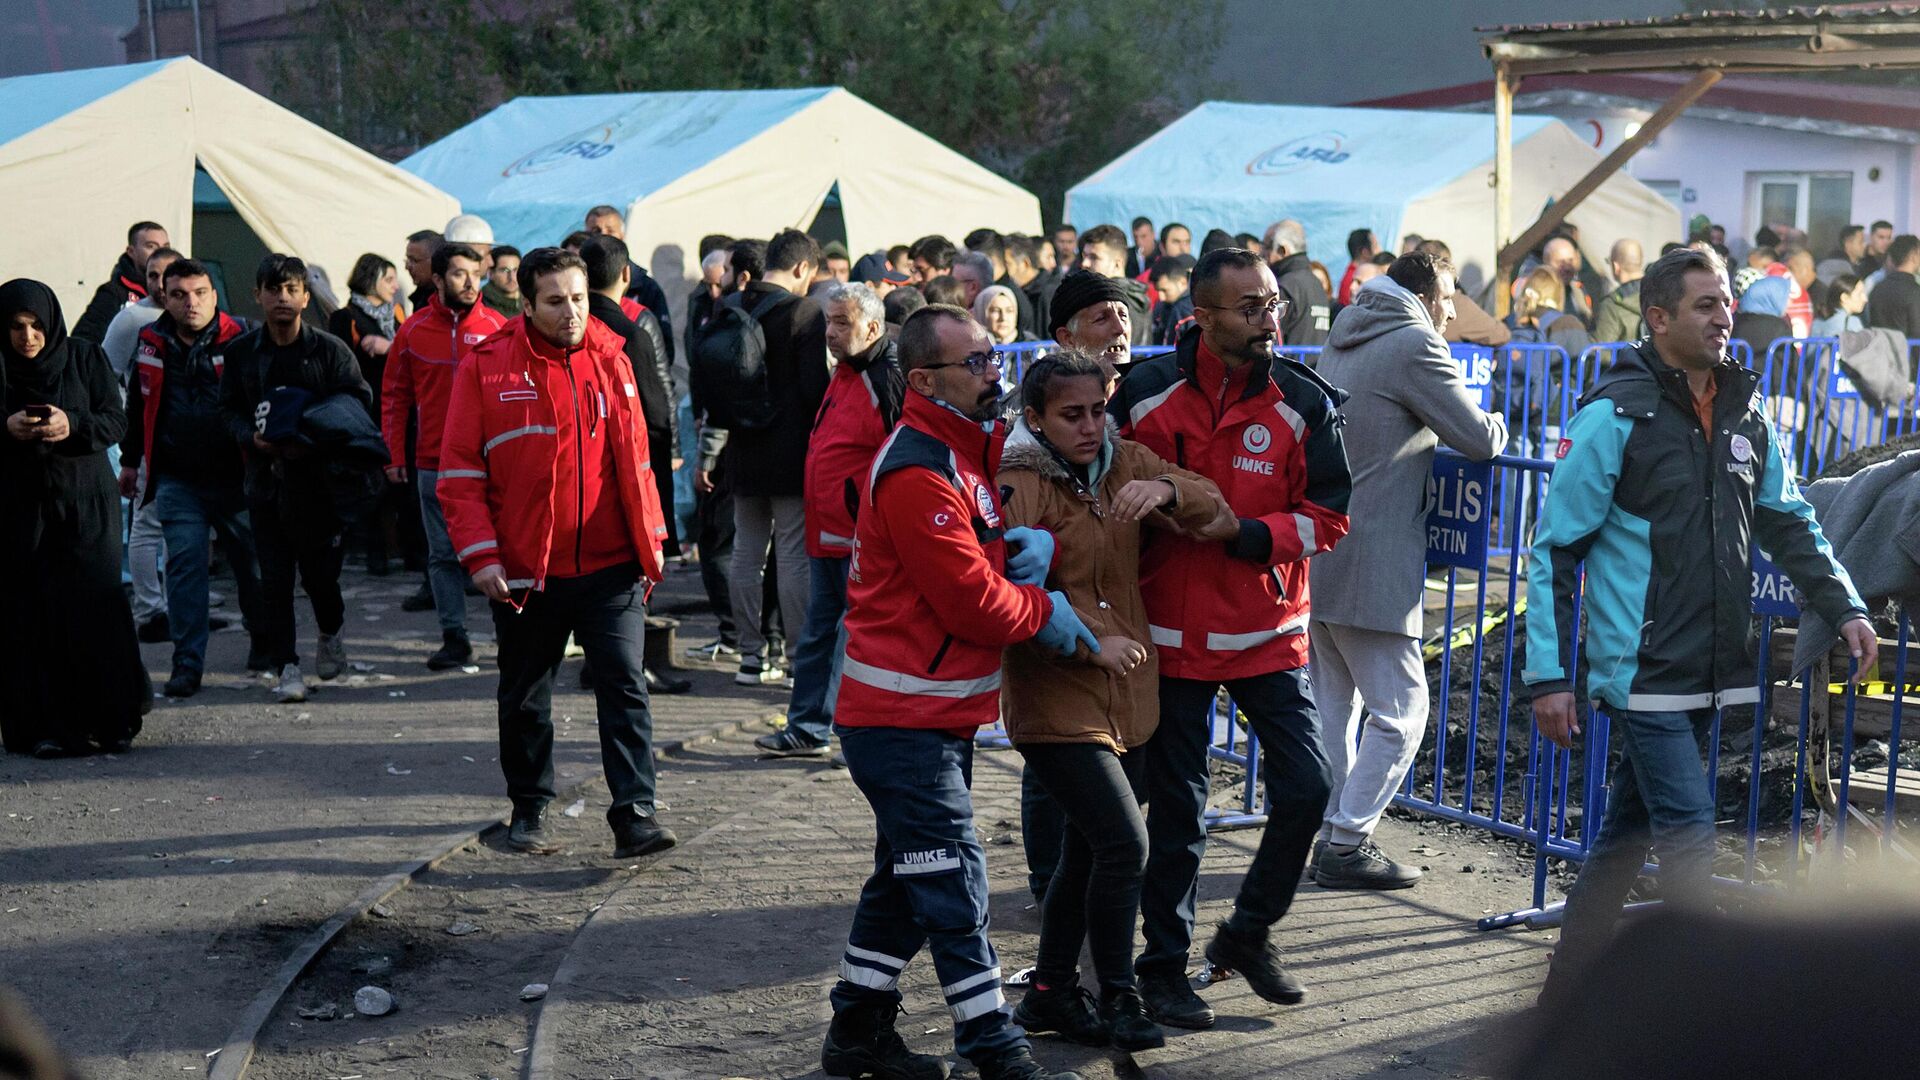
<point>1272,444</point>
<point>861,407</point>
<point>420,365</point>
<point>929,608</point>
<point>519,426</point>
<point>156,341</point>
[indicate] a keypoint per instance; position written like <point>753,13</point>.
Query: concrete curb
<point>232,1060</point>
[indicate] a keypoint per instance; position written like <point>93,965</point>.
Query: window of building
<point>1821,203</point>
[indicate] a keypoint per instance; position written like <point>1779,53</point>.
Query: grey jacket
<point>1408,395</point>
<point>1872,519</point>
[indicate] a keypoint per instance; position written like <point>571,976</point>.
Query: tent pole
<point>1654,125</point>
<point>1502,184</point>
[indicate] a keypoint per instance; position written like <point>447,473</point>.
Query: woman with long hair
<point>1077,720</point>
<point>1839,305</point>
<point>71,678</point>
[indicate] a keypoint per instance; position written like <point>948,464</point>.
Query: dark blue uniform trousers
<point>929,884</point>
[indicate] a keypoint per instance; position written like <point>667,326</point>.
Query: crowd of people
<point>915,545</point>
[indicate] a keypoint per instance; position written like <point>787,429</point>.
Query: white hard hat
<point>468,229</point>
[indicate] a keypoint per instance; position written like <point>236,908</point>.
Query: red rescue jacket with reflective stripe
<point>501,455</point>
<point>861,407</point>
<point>420,365</point>
<point>1235,609</point>
<point>929,608</point>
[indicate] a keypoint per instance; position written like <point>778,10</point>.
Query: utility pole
<point>153,38</point>
<point>199,47</point>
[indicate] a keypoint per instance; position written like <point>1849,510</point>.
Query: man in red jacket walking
<point>932,600</point>
<point>419,375</point>
<point>1266,431</point>
<point>552,507</point>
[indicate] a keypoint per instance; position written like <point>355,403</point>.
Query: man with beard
<point>931,577</point>
<point>419,376</point>
<point>1265,430</point>
<point>548,489</point>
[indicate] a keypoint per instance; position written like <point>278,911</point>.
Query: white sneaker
<point>756,671</point>
<point>293,685</point>
<point>331,657</point>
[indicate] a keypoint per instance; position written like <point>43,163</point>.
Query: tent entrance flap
<point>227,245</point>
<point>829,223</point>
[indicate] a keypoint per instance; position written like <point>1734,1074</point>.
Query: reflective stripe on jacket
<point>500,457</point>
<point>928,605</point>
<point>1235,609</point>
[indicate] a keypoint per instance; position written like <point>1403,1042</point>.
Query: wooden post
<point>1655,124</point>
<point>1503,84</point>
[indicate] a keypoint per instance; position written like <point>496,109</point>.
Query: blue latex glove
<point>1032,555</point>
<point>1064,630</point>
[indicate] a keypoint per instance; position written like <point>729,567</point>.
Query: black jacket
<point>1309,311</point>
<point>316,362</point>
<point>646,354</point>
<point>350,324</point>
<point>772,461</point>
<point>648,291</point>
<point>126,284</point>
<point>1895,304</point>
<point>1139,310</point>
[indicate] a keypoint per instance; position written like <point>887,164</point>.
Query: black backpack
<point>729,368</point>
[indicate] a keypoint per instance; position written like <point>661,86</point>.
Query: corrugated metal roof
<point>1849,13</point>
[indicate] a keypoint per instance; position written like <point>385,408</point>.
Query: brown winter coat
<point>1096,562</point>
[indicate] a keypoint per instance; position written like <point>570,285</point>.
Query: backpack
<point>729,368</point>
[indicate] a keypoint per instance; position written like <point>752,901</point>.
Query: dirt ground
<point>145,899</point>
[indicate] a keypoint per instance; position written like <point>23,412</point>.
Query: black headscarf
<point>39,376</point>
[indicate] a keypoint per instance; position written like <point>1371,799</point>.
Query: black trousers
<point>1293,763</point>
<point>1042,829</point>
<point>1095,893</point>
<point>606,614</point>
<point>281,550</point>
<point>713,522</point>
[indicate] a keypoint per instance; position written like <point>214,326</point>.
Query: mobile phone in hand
<point>39,414</point>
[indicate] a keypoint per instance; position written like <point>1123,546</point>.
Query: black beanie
<point>1078,290</point>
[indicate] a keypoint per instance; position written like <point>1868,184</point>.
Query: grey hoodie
<point>1408,394</point>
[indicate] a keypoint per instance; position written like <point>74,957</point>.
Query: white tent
<point>681,165</point>
<point>1243,167</point>
<point>84,154</point>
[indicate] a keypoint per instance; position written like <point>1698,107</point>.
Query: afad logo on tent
<point>588,144</point>
<point>1320,148</point>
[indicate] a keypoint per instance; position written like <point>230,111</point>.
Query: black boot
<point>455,651</point>
<point>1127,1024</point>
<point>1170,1000</point>
<point>861,1042</point>
<point>1066,1010</point>
<point>1251,954</point>
<point>1018,1064</point>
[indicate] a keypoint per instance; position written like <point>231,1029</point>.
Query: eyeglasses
<point>1275,309</point>
<point>975,363</point>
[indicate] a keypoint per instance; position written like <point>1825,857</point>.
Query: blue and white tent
<point>84,154</point>
<point>1243,167</point>
<point>684,164</point>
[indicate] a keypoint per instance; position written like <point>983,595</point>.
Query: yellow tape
<point>1876,688</point>
<point>1464,636</point>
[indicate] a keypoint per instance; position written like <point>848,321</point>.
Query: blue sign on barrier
<point>1772,590</point>
<point>1476,366</point>
<point>1458,501</point>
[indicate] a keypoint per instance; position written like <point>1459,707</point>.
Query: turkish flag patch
<point>1566,445</point>
<point>944,519</point>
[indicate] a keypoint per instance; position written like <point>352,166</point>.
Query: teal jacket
<point>1664,516</point>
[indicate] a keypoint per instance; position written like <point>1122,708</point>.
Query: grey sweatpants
<point>1381,671</point>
